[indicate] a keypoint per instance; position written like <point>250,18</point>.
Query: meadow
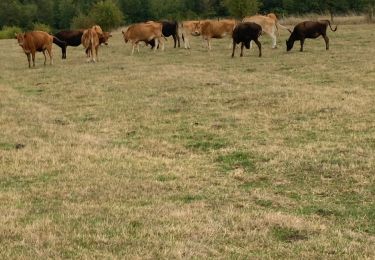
<point>190,154</point>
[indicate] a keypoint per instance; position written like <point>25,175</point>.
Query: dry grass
<point>190,154</point>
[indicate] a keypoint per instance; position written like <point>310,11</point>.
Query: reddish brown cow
<point>34,41</point>
<point>90,41</point>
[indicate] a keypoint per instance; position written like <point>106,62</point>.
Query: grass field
<point>190,154</point>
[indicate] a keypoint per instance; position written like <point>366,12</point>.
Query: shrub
<point>8,32</point>
<point>82,22</point>
<point>42,27</point>
<point>107,15</point>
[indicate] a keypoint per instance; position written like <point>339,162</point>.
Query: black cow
<point>244,33</point>
<point>310,30</point>
<point>169,28</point>
<point>71,38</point>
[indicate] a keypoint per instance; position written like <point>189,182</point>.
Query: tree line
<point>65,14</point>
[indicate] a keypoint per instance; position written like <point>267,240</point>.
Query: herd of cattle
<point>154,33</point>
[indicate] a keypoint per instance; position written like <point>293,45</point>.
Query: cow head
<point>125,36</point>
<point>104,38</point>
<point>289,44</point>
<point>197,28</point>
<point>20,38</point>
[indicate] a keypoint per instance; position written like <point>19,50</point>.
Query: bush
<point>8,32</point>
<point>107,15</point>
<point>82,22</point>
<point>42,27</point>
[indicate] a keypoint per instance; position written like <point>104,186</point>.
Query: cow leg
<point>161,41</point>
<point>63,50</point>
<point>174,40</point>
<point>33,57</point>
<point>49,50</point>
<point>326,39</point>
<point>133,46</point>
<point>178,40</point>
<point>29,59</point>
<point>259,47</point>
<point>93,54</point>
<point>234,48</point>
<point>302,42</point>
<point>45,58</point>
<point>156,44</point>
<point>242,45</point>
<point>273,37</point>
<point>96,52</point>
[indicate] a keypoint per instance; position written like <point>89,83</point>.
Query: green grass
<point>190,154</point>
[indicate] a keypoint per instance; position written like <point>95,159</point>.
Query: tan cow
<point>144,32</point>
<point>186,29</point>
<point>212,29</point>
<point>34,41</point>
<point>269,24</point>
<point>90,41</point>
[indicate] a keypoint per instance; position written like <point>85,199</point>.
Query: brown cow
<point>186,29</point>
<point>90,41</point>
<point>269,24</point>
<point>211,29</point>
<point>34,41</point>
<point>309,29</point>
<point>145,32</point>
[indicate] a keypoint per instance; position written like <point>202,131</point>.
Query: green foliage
<point>82,21</point>
<point>8,32</point>
<point>107,15</point>
<point>242,8</point>
<point>42,27</point>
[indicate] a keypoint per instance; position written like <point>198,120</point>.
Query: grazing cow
<point>244,33</point>
<point>169,28</point>
<point>34,41</point>
<point>268,23</point>
<point>74,38</point>
<point>90,41</point>
<point>145,32</point>
<point>186,29</point>
<point>210,29</point>
<point>310,30</point>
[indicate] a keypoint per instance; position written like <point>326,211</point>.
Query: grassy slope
<point>182,154</point>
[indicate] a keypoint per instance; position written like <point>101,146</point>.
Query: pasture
<point>190,154</point>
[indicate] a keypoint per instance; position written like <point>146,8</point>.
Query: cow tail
<point>333,30</point>
<point>58,42</point>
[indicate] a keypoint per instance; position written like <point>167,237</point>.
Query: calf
<point>34,41</point>
<point>310,30</point>
<point>90,41</point>
<point>244,33</point>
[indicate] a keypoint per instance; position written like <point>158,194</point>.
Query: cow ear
<point>15,35</point>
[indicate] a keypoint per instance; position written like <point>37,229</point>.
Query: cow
<point>244,33</point>
<point>169,28</point>
<point>310,30</point>
<point>269,24</point>
<point>71,38</point>
<point>90,41</point>
<point>186,29</point>
<point>211,29</point>
<point>36,41</point>
<point>144,32</point>
<point>74,38</point>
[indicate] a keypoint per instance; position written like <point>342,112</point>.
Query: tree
<point>242,8</point>
<point>107,14</point>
